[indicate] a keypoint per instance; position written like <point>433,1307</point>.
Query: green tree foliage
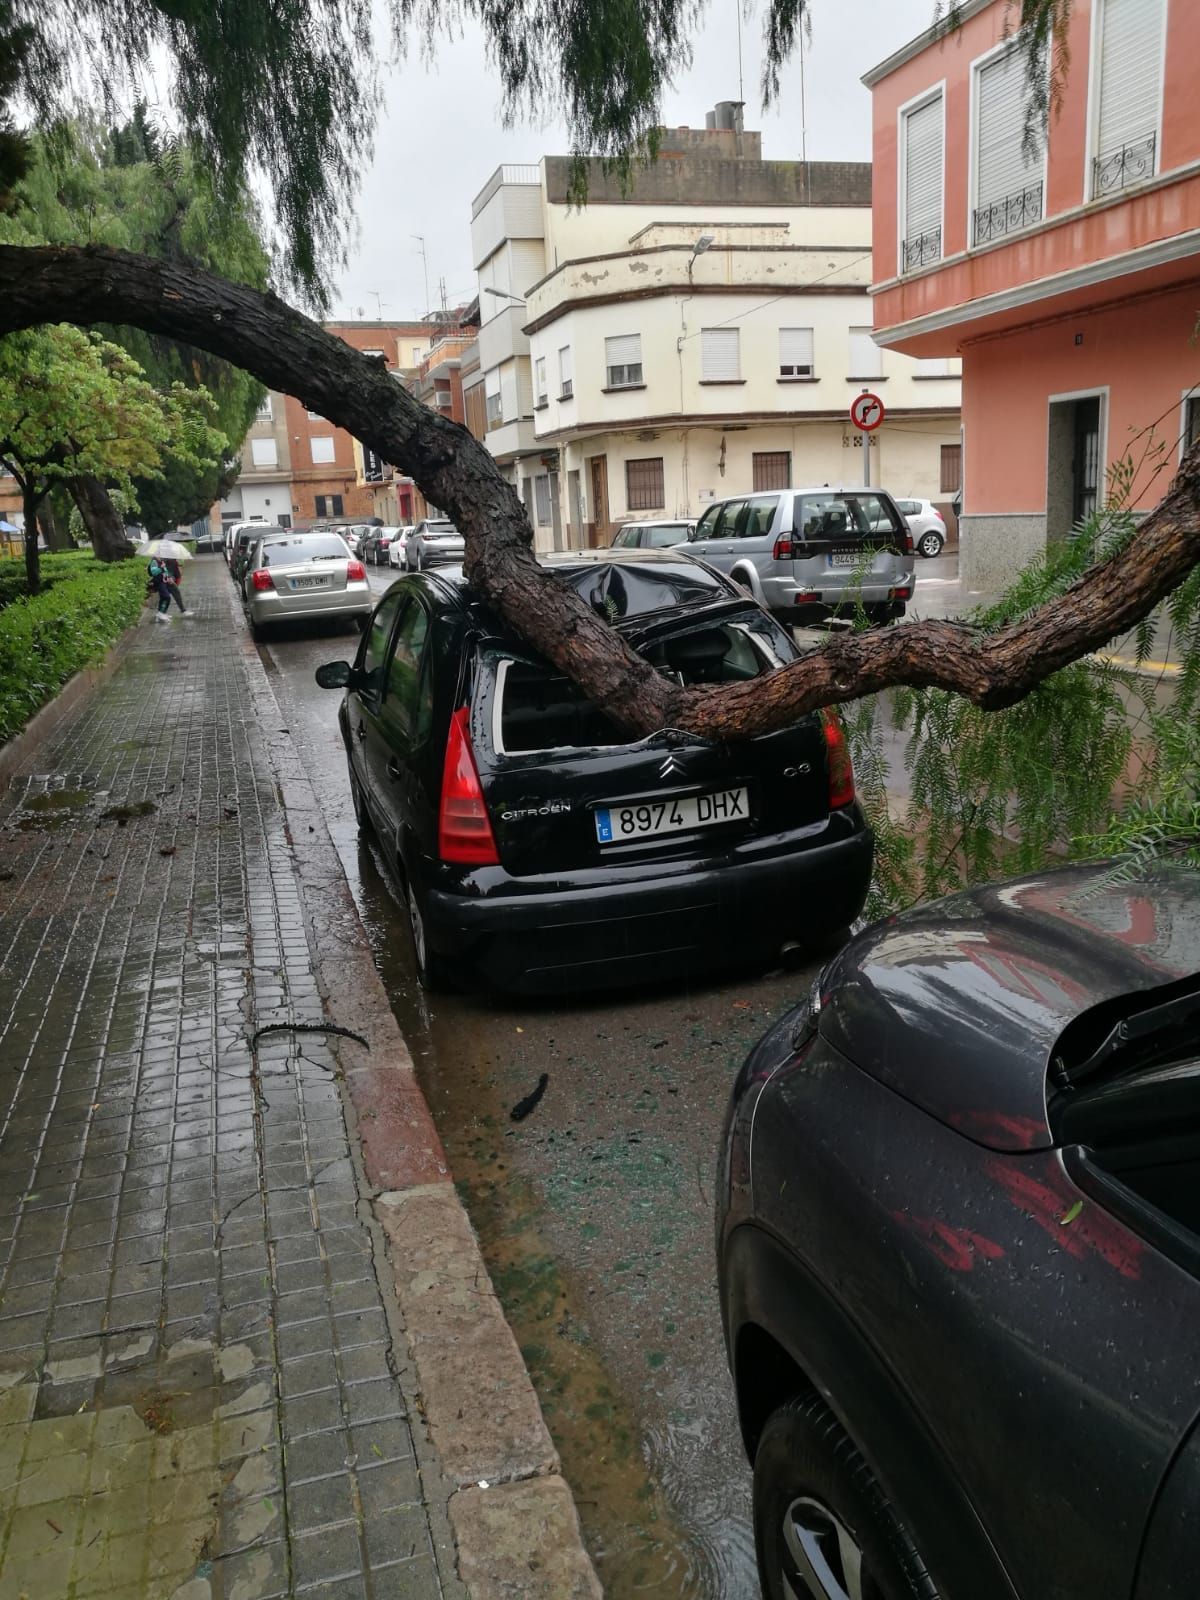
<point>290,90</point>
<point>131,187</point>
<point>74,404</point>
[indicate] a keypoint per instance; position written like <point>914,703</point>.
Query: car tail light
<point>355,572</point>
<point>903,593</point>
<point>908,543</point>
<point>261,580</point>
<point>464,828</point>
<point>939,516</point>
<point>837,760</point>
<point>783,548</point>
<point>805,597</point>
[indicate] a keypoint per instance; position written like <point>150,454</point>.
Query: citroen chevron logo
<point>670,766</point>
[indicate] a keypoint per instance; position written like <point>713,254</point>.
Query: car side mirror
<point>334,675</point>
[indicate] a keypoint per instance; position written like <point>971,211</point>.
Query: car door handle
<point>394,769</point>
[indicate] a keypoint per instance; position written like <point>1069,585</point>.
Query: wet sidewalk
<point>204,1390</point>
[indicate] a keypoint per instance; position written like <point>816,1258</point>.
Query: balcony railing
<point>1120,169</point>
<point>502,175</point>
<point>1015,211</point>
<point>919,252</point>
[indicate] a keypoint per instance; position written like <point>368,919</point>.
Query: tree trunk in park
<point>31,499</point>
<point>101,519</point>
<point>54,533</point>
<point>289,352</point>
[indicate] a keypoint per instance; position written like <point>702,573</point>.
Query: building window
<point>644,484</point>
<point>951,473</point>
<point>921,141</point>
<point>541,499</point>
<point>322,448</point>
<point>623,361</point>
<point>1129,94</point>
<point>795,352</point>
<point>495,405</point>
<point>542,396</point>
<point>772,469</point>
<point>566,373</point>
<point>416,355</point>
<point>866,358</point>
<point>720,356</point>
<point>1008,169</point>
<point>934,367</point>
<point>1191,421</point>
<point>328,505</point>
<point>264,412</point>
<point>263,453</point>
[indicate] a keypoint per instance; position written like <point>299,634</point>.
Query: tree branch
<point>288,352</point>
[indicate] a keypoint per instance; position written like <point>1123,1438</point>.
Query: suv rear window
<point>536,709</point>
<point>840,516</point>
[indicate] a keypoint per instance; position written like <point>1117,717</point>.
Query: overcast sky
<point>440,137</point>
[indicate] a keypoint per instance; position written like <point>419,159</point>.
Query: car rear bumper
<point>433,554</point>
<point>265,608</point>
<point>608,929</point>
<point>827,591</point>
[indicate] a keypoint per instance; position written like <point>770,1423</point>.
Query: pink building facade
<point>1063,267</point>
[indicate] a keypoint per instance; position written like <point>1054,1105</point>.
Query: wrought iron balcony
<point>919,252</point>
<point>1120,169</point>
<point>1015,211</point>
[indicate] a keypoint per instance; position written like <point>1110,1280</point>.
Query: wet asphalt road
<point>595,1213</point>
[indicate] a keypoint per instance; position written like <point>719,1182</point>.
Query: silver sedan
<point>305,575</point>
<point>432,543</point>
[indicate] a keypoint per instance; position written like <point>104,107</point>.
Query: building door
<point>598,527</point>
<point>556,513</point>
<point>1074,464</point>
<point>1086,464</point>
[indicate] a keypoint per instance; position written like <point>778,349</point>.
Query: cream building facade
<point>700,336</point>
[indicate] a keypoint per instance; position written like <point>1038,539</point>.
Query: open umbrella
<point>8,527</point>
<point>169,549</point>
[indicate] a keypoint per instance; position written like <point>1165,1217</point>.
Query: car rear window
<point>668,534</point>
<point>908,508</point>
<point>288,552</point>
<point>439,527</point>
<point>536,708</point>
<point>627,589</point>
<point>834,516</point>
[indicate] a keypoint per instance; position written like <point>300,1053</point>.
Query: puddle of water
<point>46,813</point>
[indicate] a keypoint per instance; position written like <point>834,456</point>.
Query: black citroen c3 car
<point>537,846</point>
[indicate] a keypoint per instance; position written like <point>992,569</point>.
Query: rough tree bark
<point>101,519</point>
<point>288,351</point>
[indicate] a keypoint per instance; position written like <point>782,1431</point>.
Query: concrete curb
<point>43,723</point>
<point>516,1528</point>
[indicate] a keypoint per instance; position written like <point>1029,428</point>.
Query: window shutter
<point>262,453</point>
<point>625,350</point>
<point>864,354</point>
<point>923,169</point>
<point>491,382</point>
<point>719,355</point>
<point>541,379</point>
<point>796,352</point>
<point>1130,73</point>
<point>1002,168</point>
<point>565,370</point>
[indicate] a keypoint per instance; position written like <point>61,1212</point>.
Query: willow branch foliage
<point>290,90</point>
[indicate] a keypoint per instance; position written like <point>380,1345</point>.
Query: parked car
<point>537,846</point>
<point>809,554</point>
<point>958,1251</point>
<point>381,545</point>
<point>366,546</point>
<point>210,540</point>
<point>304,575</point>
<point>652,535</point>
<point>926,524</point>
<point>398,548</point>
<point>432,543</point>
<point>246,537</point>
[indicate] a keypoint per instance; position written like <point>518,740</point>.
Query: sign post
<point>866,413</point>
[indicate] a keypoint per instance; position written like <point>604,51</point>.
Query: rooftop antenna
<point>803,113</point>
<point>425,262</point>
<point>737,6</point>
<point>378,301</point>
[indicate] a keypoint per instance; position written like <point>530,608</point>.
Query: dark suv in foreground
<point>538,846</point>
<point>958,1248</point>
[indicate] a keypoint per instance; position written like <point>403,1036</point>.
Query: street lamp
<point>503,294</point>
<point>701,245</point>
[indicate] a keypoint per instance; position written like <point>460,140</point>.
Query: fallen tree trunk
<point>289,352</point>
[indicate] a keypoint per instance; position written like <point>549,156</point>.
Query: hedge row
<point>49,637</point>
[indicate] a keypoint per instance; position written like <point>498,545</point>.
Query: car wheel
<point>823,1527</point>
<point>432,972</point>
<point>930,544</point>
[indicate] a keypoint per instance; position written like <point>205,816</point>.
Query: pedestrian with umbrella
<point>165,573</point>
